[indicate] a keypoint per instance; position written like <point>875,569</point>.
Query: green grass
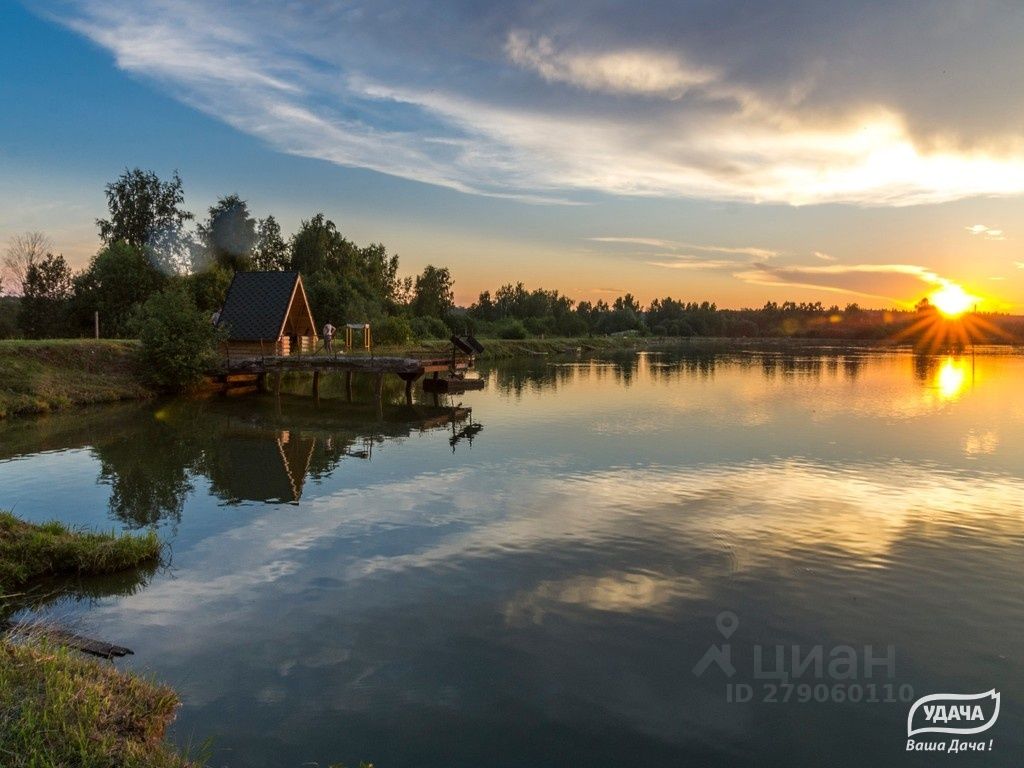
<point>59,709</point>
<point>29,551</point>
<point>43,376</point>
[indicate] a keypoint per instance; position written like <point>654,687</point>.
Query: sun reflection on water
<point>952,378</point>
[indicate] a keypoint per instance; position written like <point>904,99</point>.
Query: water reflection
<point>545,595</point>
<point>67,592</point>
<point>249,451</point>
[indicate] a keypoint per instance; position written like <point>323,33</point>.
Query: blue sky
<point>730,150</point>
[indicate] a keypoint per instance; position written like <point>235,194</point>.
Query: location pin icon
<point>727,622</point>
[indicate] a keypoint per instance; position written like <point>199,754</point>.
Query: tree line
<point>152,246</point>
<point>149,245</point>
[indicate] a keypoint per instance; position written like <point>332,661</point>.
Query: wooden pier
<point>267,373</point>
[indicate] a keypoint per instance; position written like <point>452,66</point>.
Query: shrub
<point>460,324</point>
<point>539,326</point>
<point>177,340</point>
<point>392,330</point>
<point>511,329</point>
<point>429,328</point>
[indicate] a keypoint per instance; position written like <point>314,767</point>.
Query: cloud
<point>551,103</point>
<point>622,71</point>
<point>988,232</point>
<point>674,245</point>
<point>824,256</point>
<point>878,281</point>
<point>693,262</point>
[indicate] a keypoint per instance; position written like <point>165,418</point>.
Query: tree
<point>210,287</point>
<point>270,251</point>
<point>23,251</point>
<point>319,247</point>
<point>44,301</point>
<point>229,234</point>
<point>344,282</point>
<point>433,295</point>
<point>148,214</point>
<point>378,269</point>
<point>118,280</point>
<point>178,340</point>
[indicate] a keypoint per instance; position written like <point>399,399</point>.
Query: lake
<point>656,559</point>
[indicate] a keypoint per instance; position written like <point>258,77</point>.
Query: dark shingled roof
<point>256,305</point>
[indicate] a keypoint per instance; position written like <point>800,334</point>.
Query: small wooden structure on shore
<point>267,313</point>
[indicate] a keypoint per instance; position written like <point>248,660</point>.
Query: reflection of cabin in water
<point>266,314</point>
<point>261,466</point>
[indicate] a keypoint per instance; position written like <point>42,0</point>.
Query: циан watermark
<point>781,674</point>
<point>845,674</point>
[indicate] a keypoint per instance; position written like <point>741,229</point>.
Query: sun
<point>952,300</point>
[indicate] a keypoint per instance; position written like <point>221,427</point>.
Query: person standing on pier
<point>328,334</point>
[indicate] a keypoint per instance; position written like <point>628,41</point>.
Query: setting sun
<point>952,300</point>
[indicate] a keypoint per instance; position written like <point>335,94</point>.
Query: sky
<point>730,150</point>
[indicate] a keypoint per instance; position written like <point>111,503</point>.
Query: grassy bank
<point>29,551</point>
<point>43,376</point>
<point>58,708</point>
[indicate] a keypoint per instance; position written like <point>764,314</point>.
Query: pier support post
<point>278,378</point>
<point>378,394</point>
<point>348,385</point>
<point>408,391</point>
<point>316,386</point>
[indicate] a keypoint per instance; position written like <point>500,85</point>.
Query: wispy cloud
<point>692,262</point>
<point>891,282</point>
<point>618,71</point>
<point>675,245</point>
<point>824,256</point>
<point>987,232</point>
<point>545,103</point>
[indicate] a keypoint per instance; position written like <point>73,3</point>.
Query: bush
<point>392,330</point>
<point>177,340</point>
<point>460,324</point>
<point>429,328</point>
<point>511,329</point>
<point>9,309</point>
<point>539,326</point>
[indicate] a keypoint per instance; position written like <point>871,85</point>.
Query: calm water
<point>538,591</point>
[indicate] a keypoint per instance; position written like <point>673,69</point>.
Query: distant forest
<point>151,243</point>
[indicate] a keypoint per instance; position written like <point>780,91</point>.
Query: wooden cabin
<point>267,314</point>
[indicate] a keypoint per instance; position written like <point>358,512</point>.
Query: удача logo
<point>960,713</point>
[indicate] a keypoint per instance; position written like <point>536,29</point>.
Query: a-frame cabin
<point>265,314</point>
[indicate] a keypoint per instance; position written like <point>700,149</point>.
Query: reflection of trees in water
<point>924,366</point>
<point>148,470</point>
<point>517,377</point>
<point>249,451</point>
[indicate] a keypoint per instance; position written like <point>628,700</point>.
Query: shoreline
<point>46,376</point>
